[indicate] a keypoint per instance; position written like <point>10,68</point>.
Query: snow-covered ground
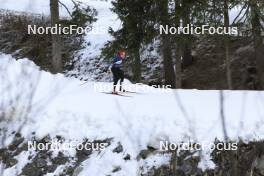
<point>67,107</point>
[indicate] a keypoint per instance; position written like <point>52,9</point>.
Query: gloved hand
<point>109,70</point>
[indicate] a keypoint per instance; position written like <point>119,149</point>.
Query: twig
<point>222,113</point>
<point>244,15</point>
<point>239,13</point>
<point>75,4</point>
<point>66,8</point>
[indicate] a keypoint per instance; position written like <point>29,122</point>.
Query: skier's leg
<point>121,79</point>
<point>115,75</point>
<point>114,88</point>
<point>120,88</point>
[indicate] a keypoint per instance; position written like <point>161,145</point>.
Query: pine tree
<point>132,14</point>
<point>164,19</point>
<point>137,29</point>
<point>255,6</point>
<point>251,15</point>
<point>186,12</point>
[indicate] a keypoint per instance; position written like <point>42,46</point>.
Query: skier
<point>117,71</point>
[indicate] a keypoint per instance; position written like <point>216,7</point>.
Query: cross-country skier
<point>117,71</point>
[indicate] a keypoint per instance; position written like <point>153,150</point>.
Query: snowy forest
<point>131,88</point>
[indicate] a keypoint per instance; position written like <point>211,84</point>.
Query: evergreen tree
<point>251,15</point>
<point>163,18</point>
<point>257,27</point>
<point>140,19</point>
<point>133,14</point>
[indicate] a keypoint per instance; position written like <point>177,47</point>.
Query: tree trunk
<point>258,44</point>
<point>178,68</point>
<point>166,49</point>
<point>56,40</point>
<point>187,43</point>
<point>227,47</point>
<point>137,65</point>
<point>167,61</point>
<point>177,48</point>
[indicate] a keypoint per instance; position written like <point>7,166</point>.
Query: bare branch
<point>222,113</point>
<point>75,4</point>
<point>66,8</point>
<point>244,7</point>
<point>262,18</point>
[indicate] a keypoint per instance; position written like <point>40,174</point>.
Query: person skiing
<point>116,69</point>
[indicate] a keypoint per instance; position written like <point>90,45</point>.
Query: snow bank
<point>67,107</point>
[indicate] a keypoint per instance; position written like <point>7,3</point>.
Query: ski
<point>117,94</point>
<point>131,92</point>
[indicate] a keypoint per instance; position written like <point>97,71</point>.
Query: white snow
<point>96,38</point>
<point>23,161</point>
<point>154,161</point>
<point>99,34</point>
<point>63,106</point>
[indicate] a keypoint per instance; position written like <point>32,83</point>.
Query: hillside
<point>68,108</point>
<point>88,64</point>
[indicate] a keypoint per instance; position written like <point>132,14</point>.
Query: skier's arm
<point>111,65</point>
<point>117,61</point>
<point>109,68</point>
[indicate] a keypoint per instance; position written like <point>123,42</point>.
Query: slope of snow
<point>67,107</point>
<point>99,34</point>
<point>95,40</point>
